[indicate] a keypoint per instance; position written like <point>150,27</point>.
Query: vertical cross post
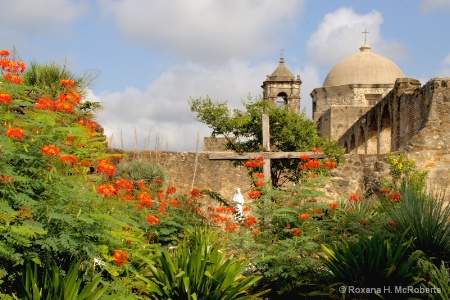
<point>266,145</point>
<point>365,35</point>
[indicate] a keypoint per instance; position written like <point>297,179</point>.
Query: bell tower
<point>282,88</point>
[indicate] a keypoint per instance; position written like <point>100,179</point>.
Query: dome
<point>281,73</point>
<point>364,67</point>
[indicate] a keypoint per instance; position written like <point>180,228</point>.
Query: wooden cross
<point>365,34</point>
<point>268,156</point>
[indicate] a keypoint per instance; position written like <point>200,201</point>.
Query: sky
<point>150,57</point>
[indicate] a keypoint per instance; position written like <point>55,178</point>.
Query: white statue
<point>238,201</point>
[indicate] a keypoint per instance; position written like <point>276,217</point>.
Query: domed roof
<point>364,67</point>
<point>281,73</point>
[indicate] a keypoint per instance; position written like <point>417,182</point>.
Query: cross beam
<point>266,155</point>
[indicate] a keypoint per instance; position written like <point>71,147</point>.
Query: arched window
<point>282,99</point>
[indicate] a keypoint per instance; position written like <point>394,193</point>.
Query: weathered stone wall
<point>352,95</point>
<point>190,169</point>
<point>410,119</point>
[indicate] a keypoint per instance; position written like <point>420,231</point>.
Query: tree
<point>243,131</point>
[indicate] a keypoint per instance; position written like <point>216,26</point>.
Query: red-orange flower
<point>297,231</point>
<point>305,157</point>
<point>175,203</point>
<point>5,98</point>
<point>260,183</point>
<point>317,150</point>
<point>330,164</point>
<point>395,197</point>
<point>158,181</point>
<point>254,194</point>
<point>105,167</point>
<point>230,228</point>
<point>15,133</point>
<point>259,175</point>
<point>45,103</point>
<point>250,221</point>
<point>69,159</point>
<point>195,192</point>
<point>121,257</point>
<point>50,150</point>
<point>392,224</point>
<point>385,191</point>
<point>68,82</point>
<point>332,205</point>
<point>145,199</point>
<point>124,185</point>
<point>171,190</point>
<point>304,216</point>
<point>152,220</point>
<point>106,190</point>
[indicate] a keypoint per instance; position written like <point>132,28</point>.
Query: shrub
<point>427,217</point>
<point>372,262</point>
<point>199,269</point>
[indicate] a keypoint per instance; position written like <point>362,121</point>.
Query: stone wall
<point>191,169</point>
<point>410,119</point>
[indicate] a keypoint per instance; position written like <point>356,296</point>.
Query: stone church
<point>366,104</point>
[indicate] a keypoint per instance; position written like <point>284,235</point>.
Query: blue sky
<point>152,56</point>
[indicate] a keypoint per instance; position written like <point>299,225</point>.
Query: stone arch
<point>282,99</point>
<point>352,144</point>
<point>372,135</point>
<point>384,130</point>
<point>360,144</point>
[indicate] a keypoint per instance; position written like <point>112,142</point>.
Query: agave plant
<point>48,283</point>
<point>372,262</point>
<point>428,218</point>
<point>198,269</point>
<point>140,170</point>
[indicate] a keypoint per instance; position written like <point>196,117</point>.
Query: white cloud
<point>428,6</point>
<point>205,30</point>
<point>38,16</point>
<point>340,35</point>
<point>445,70</point>
<point>163,107</point>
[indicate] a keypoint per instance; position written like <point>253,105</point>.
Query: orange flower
<point>305,157</point>
<point>195,192</point>
<point>145,199</point>
<point>106,190</point>
<point>255,162</point>
<point>5,98</point>
<point>304,216</point>
<point>254,194</point>
<point>69,159</point>
<point>330,165</point>
<point>395,197</point>
<point>124,185</point>
<point>121,257</point>
<point>259,175</point>
<point>332,205</point>
<point>15,133</point>
<point>392,224</point>
<point>250,221</point>
<point>256,232</point>
<point>385,191</point>
<point>104,166</point>
<point>4,52</point>
<point>174,203</point>
<point>296,231</point>
<point>161,195</point>
<point>152,220</point>
<point>158,181</point>
<point>317,150</point>
<point>50,150</point>
<point>68,82</point>
<point>171,190</point>
<point>260,183</point>
<point>45,103</point>
<point>230,228</point>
